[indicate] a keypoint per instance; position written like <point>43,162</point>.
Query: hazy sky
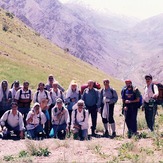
<point>137,8</point>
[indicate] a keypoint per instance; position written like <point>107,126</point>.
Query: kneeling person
<point>35,121</point>
<point>12,121</point>
<point>80,121</point>
<point>60,120</point>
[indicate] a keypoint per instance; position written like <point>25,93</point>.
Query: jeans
<point>34,132</point>
<point>150,113</point>
<point>56,128</point>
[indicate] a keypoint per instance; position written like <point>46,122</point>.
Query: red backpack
<point>84,86</point>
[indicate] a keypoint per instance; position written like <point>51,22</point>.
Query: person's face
<point>26,85</point>
<point>37,107</point>
<point>59,105</point>
<point>90,84</point>
<point>51,79</point>
<point>14,107</point>
<point>106,84</point>
<point>41,86</point>
<point>128,84</point>
<point>80,107</point>
<point>4,85</point>
<point>73,87</point>
<point>55,86</point>
<point>148,81</point>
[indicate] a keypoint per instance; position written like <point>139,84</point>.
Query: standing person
<point>90,98</point>
<point>72,97</point>
<point>80,121</point>
<point>60,120</point>
<point>42,96</point>
<point>130,99</point>
<point>150,95</point>
<point>12,120</point>
<point>56,93</point>
<point>14,89</point>
<point>5,101</point>
<point>49,84</point>
<point>35,121</point>
<point>24,98</point>
<point>108,98</point>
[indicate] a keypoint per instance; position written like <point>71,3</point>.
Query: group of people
<point>56,112</point>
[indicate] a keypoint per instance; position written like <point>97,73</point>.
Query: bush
<point>5,28</point>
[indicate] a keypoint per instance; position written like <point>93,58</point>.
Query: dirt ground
<point>99,149</point>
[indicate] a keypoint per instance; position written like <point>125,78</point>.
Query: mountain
<point>121,46</point>
<point>25,55</point>
<point>69,31</point>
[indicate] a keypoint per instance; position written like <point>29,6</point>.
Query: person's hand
<point>154,96</point>
<point>76,126</point>
<point>99,110</point>
<point>142,108</point>
<point>125,108</point>
<point>127,101</point>
<point>21,134</point>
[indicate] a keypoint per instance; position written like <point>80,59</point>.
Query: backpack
<point>84,86</point>
<point>160,89</point>
<point>84,114</point>
<point>38,93</point>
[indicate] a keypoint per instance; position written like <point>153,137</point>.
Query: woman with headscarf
<point>35,121</point>
<point>49,84</point>
<point>72,97</point>
<point>5,101</point>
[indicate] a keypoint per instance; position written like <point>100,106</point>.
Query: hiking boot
<point>113,134</point>
<point>106,133</point>
<point>129,134</point>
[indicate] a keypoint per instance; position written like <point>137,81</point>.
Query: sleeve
<point>50,100</point>
<point>17,95</point>
<point>114,99</point>
<point>53,115</point>
<point>97,97</point>
<point>156,92</point>
<point>67,118</point>
<point>100,99</point>
<point>43,118</point>
<point>4,118</point>
<point>34,97</point>
<point>21,123</point>
<point>61,88</point>
<point>28,115</point>
<point>73,118</point>
<point>31,95</point>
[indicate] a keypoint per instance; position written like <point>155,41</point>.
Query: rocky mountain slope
<point>122,47</point>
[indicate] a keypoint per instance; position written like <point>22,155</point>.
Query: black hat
<point>148,76</point>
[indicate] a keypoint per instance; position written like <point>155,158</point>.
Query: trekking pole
<point>124,123</point>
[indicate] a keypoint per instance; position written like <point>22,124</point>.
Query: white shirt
<point>37,119</point>
<point>24,95</point>
<point>13,120</point>
<point>42,95</point>
<point>64,118</point>
<point>56,95</point>
<point>148,93</point>
<point>79,119</point>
